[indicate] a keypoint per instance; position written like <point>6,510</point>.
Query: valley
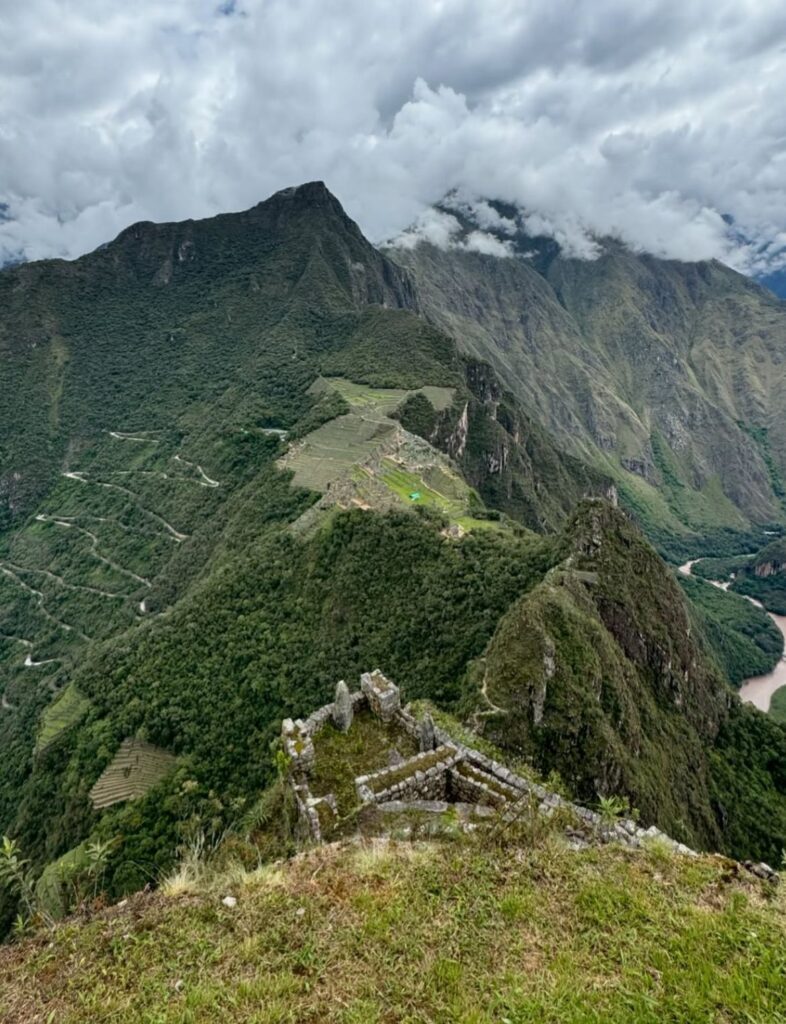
<point>273,463</point>
<point>666,376</point>
<point>757,690</point>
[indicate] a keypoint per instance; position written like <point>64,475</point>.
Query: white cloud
<point>650,121</point>
<point>434,226</point>
<point>489,245</point>
<point>445,231</point>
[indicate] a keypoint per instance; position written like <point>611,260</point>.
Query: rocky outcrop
<point>599,670</point>
<point>427,739</point>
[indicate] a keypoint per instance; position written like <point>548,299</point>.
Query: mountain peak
<point>309,191</point>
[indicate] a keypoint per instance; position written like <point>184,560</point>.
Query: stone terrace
<point>443,775</point>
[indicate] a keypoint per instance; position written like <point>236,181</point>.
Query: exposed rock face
<point>342,708</point>
<point>506,455</point>
<point>771,568</point>
<point>630,360</point>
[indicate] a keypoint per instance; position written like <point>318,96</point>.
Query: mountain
<point>776,282</point>
<point>667,376</point>
<point>246,457</point>
<point>600,673</point>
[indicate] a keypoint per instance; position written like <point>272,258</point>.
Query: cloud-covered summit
<point>661,123</point>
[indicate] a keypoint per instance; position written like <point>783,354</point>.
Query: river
<point>757,690</point>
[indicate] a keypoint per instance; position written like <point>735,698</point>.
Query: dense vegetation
<point>162,577</point>
<point>745,641</point>
<point>597,672</point>
<point>760,574</point>
<point>778,705</point>
<point>764,576</point>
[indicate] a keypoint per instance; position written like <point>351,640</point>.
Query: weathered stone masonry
<point>444,774</point>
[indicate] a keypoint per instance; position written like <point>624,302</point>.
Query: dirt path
<point>68,525</point>
<point>120,436</point>
<point>206,481</point>
<point>17,639</point>
<point>29,663</point>
<point>493,709</point>
<point>82,479</point>
<point>41,602</point>
<point>65,583</point>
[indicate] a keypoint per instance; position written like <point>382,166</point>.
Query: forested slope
<point>238,465</point>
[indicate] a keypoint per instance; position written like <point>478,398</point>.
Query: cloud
<point>655,122</point>
<point>445,231</point>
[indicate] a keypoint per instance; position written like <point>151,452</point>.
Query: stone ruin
<point>443,775</point>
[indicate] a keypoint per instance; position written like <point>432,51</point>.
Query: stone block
<point>298,745</point>
<point>343,710</point>
<point>382,695</point>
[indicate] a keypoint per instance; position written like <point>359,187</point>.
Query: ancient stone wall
<point>382,695</point>
<point>451,774</point>
<point>422,777</point>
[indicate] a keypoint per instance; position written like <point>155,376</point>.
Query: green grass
<point>61,715</point>
<point>384,400</point>
<point>454,502</point>
<point>424,934</point>
<point>341,757</point>
<point>361,396</point>
<point>405,483</point>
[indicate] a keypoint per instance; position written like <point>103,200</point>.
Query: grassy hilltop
<point>423,933</point>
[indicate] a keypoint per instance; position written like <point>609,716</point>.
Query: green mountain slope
<point>139,491</point>
<point>668,376</point>
<point>237,465</point>
<point>599,672</point>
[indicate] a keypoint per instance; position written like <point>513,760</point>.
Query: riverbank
<point>757,690</point>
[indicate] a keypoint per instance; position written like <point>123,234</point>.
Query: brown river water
<point>757,690</point>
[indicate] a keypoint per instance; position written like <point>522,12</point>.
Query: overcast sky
<point>648,120</point>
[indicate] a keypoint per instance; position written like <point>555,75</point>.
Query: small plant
<point>612,808</point>
<point>659,850</point>
<point>98,857</point>
<point>281,762</point>
<point>16,876</point>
